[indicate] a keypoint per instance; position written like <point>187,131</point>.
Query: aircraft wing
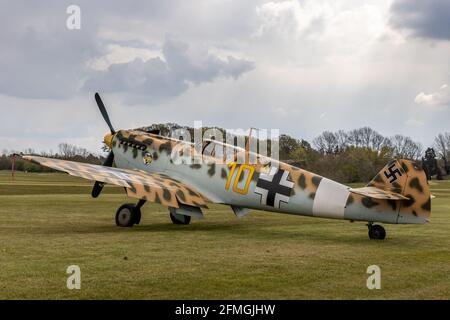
<point>377,193</point>
<point>153,187</point>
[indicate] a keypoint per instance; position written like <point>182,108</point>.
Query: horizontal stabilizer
<point>375,193</point>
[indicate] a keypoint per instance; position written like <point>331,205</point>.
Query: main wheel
<point>127,215</point>
<point>179,218</point>
<point>377,232</point>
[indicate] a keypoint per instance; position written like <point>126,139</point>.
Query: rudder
<point>408,179</point>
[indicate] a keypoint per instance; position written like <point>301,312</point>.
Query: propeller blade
<point>103,111</point>
<point>109,160</point>
<point>98,186</point>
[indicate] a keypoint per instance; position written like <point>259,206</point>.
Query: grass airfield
<point>49,221</point>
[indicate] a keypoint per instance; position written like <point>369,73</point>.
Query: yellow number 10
<point>242,167</point>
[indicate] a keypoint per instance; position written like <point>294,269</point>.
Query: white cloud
<point>340,25</point>
<point>315,65</point>
<point>122,54</point>
<point>440,97</point>
<point>288,18</point>
<point>160,78</point>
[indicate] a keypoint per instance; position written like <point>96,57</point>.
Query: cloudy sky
<point>300,66</point>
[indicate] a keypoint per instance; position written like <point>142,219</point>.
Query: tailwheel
<point>128,215</point>
<point>179,218</point>
<point>376,231</point>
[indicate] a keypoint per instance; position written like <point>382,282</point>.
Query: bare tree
<point>355,138</point>
<point>69,151</point>
<point>405,147</point>
<point>377,141</point>
<point>442,145</point>
<point>66,150</point>
<point>327,143</point>
<point>341,140</point>
<point>366,137</point>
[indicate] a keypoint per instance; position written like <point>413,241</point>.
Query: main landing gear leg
<point>178,218</point>
<point>129,214</point>
<point>376,231</point>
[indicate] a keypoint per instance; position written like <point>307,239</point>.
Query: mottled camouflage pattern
<point>151,174</point>
<point>157,188</point>
<point>412,184</point>
<point>305,181</point>
<point>375,193</point>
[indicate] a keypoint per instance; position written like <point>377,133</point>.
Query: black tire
<point>176,220</point>
<point>377,232</point>
<point>125,215</point>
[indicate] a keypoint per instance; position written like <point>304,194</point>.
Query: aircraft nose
<point>108,139</point>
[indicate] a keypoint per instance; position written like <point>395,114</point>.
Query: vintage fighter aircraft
<point>142,163</point>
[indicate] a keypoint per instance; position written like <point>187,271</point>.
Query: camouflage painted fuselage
<point>278,187</point>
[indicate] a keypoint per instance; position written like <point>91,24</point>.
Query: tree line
<point>65,151</point>
<point>345,156</point>
<point>357,155</point>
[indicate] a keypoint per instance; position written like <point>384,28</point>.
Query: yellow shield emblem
<point>147,158</point>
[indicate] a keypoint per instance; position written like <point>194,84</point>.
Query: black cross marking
<point>273,187</point>
<point>392,175</point>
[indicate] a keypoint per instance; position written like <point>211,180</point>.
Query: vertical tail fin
<point>407,178</point>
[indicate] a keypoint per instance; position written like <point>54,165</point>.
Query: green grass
<point>49,221</point>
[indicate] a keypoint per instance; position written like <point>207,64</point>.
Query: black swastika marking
<point>391,173</point>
